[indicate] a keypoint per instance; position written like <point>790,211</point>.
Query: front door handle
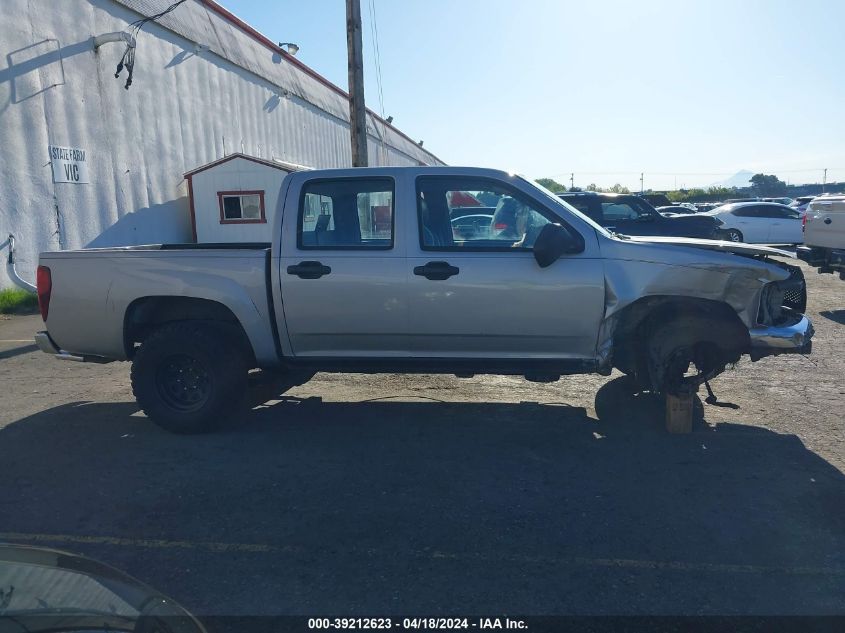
<point>436,271</point>
<point>309,270</point>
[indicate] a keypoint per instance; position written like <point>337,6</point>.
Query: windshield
<point>568,207</point>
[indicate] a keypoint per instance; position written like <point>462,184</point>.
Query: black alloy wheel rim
<point>183,383</point>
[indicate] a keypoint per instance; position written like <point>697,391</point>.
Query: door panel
<point>783,231</point>
<point>754,229</point>
<point>503,305</point>
<point>359,309</point>
<point>343,280</point>
<point>786,229</point>
<point>485,295</point>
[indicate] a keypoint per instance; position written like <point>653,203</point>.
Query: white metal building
<point>85,162</point>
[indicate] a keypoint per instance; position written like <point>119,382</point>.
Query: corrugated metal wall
<point>203,88</point>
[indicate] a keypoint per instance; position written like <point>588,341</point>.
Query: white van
<point>824,235</point>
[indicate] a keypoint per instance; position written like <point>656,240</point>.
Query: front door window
<point>468,214</point>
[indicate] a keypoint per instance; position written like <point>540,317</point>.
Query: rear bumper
<point>827,258</point>
<point>795,338</point>
<point>48,346</point>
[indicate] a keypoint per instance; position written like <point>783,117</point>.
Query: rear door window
<point>616,211</point>
<point>588,205</point>
<point>745,212</point>
<point>346,214</point>
<point>783,213</point>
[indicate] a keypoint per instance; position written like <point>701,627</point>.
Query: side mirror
<point>553,242</point>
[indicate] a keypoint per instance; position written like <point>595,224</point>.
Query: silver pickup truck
<point>416,270</point>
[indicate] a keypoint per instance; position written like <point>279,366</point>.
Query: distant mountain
<point>739,180</point>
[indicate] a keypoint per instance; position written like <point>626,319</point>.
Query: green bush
<point>17,301</point>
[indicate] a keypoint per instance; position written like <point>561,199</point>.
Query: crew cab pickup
<point>365,272</point>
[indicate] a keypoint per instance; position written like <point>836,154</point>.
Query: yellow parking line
<point>621,563</point>
<point>627,563</point>
<point>153,543</point>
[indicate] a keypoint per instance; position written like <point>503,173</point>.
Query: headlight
<point>771,304</point>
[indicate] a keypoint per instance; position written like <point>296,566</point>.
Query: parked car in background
<point>676,209</point>
<point>824,235</point>
<point>655,199</point>
<point>707,206</point>
<point>759,223</point>
<point>631,215</point>
<point>785,200</point>
<point>801,202</point>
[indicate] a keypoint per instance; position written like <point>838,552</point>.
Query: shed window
<point>241,207</point>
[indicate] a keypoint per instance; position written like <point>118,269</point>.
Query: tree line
<point>762,185</point>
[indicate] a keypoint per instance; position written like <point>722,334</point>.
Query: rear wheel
<point>188,377</point>
<point>733,235</point>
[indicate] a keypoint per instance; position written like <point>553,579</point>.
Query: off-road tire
<point>190,376</point>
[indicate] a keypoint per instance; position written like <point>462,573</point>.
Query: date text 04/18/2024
<point>416,623</point>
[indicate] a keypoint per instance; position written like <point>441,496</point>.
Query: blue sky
<point>687,92</point>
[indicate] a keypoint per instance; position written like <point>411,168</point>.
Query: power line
<point>137,25</point>
<point>127,61</point>
<point>377,62</point>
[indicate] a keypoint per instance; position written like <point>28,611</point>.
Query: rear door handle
<point>309,270</point>
<point>436,271</point>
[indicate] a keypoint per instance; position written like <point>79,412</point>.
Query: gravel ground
<point>372,495</point>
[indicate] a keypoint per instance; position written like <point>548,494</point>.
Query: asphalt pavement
<point>378,495</point>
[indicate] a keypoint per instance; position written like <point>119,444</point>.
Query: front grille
<point>794,289</point>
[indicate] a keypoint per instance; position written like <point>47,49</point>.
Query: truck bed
<point>94,290</point>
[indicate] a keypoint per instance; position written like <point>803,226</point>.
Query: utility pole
<point>641,182</point>
<point>824,179</point>
<point>572,180</point>
<point>357,110</point>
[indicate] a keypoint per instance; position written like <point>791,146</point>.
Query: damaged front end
<point>793,291</point>
<point>677,318</point>
<point>781,328</point>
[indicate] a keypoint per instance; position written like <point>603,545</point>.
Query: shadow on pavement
<point>424,507</point>
<point>17,351</point>
<point>837,316</point>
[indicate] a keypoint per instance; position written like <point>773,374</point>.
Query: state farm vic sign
<point>70,164</point>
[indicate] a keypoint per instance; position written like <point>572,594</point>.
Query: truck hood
<point>713,245</point>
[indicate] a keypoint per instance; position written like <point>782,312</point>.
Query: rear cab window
<point>346,214</point>
<point>588,205</point>
<point>615,211</point>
